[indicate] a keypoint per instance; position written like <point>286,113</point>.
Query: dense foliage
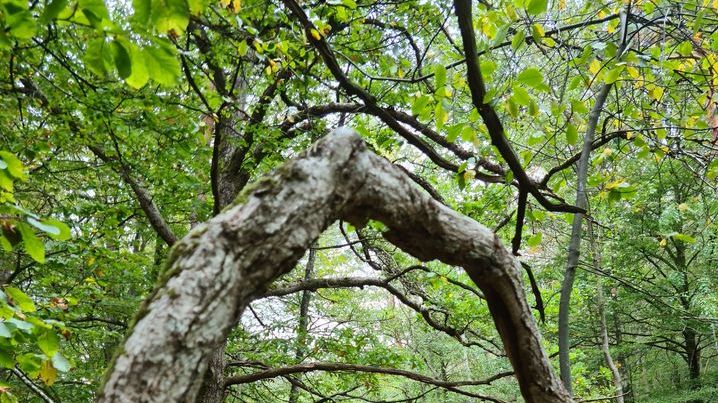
<point>124,125</point>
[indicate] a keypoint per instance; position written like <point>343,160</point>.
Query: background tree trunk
<point>216,270</point>
<point>303,325</point>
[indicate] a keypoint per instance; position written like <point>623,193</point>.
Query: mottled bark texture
<point>215,271</point>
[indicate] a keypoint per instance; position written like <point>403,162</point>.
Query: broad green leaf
<point>170,15</point>
<point>536,7</point>
<point>20,299</point>
<point>518,39</point>
<point>33,245</point>
<point>14,165</point>
<point>613,75</point>
<point>520,95</point>
<point>162,64</point>
<point>6,358</point>
<point>95,12</point>
<point>20,324</point>
<point>420,104</point>
<point>142,12</point>
<point>97,56</point>
<point>532,77</point>
<point>571,134</point>
<point>50,229</point>
<point>21,25</point>
<point>578,106</point>
<point>29,362</point>
<point>439,75</point>
<point>53,10</point>
<point>63,233</point>
<point>534,240</point>
<point>684,238</point>
<point>122,59</point>
<point>48,342</point>
<point>197,6</point>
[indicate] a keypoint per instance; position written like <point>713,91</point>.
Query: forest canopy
<point>143,142</point>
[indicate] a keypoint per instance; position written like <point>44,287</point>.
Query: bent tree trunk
<point>216,270</point>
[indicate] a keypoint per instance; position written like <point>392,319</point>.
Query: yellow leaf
<point>315,34</point>
<point>656,93</point>
<point>663,243</point>
<point>633,72</point>
<point>48,373</point>
<point>682,207</point>
<point>236,5</point>
<point>594,67</point>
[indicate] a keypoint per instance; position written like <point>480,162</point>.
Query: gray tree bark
<point>216,270</point>
<point>600,302</point>
<point>574,247</point>
<point>303,325</point>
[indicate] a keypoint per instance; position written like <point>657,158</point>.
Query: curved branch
<point>263,235</point>
<point>342,367</point>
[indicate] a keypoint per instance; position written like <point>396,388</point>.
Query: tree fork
<point>216,270</point>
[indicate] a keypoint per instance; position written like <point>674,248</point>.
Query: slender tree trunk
<point>303,325</point>
<point>220,266</point>
<point>574,247</point>
<point>600,302</point>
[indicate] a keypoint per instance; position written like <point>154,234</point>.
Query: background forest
<point>125,124</point>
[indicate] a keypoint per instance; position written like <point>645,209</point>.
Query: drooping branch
<point>148,206</point>
<point>270,373</point>
<point>220,266</point>
<point>488,114</point>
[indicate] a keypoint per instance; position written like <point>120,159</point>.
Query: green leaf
<point>30,362</point>
<point>52,10</point>
<point>420,104</point>
<point>520,95</point>
<point>49,343</point>
<point>142,12</point>
<point>20,299</point>
<point>95,11</point>
<point>33,245</point>
<point>536,7</point>
<point>50,229</point>
<point>170,15</point>
<point>21,25</point>
<point>121,58</point>
<point>684,238</point>
<point>578,106</point>
<point>197,6</point>
<point>14,165</point>
<point>534,240</point>
<point>6,358</point>
<point>96,57</point>
<point>518,39</point>
<point>439,75</point>
<point>63,231</point>
<point>20,324</point>
<point>613,75</point>
<point>162,64</point>
<point>532,77</point>
<point>571,134</point>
